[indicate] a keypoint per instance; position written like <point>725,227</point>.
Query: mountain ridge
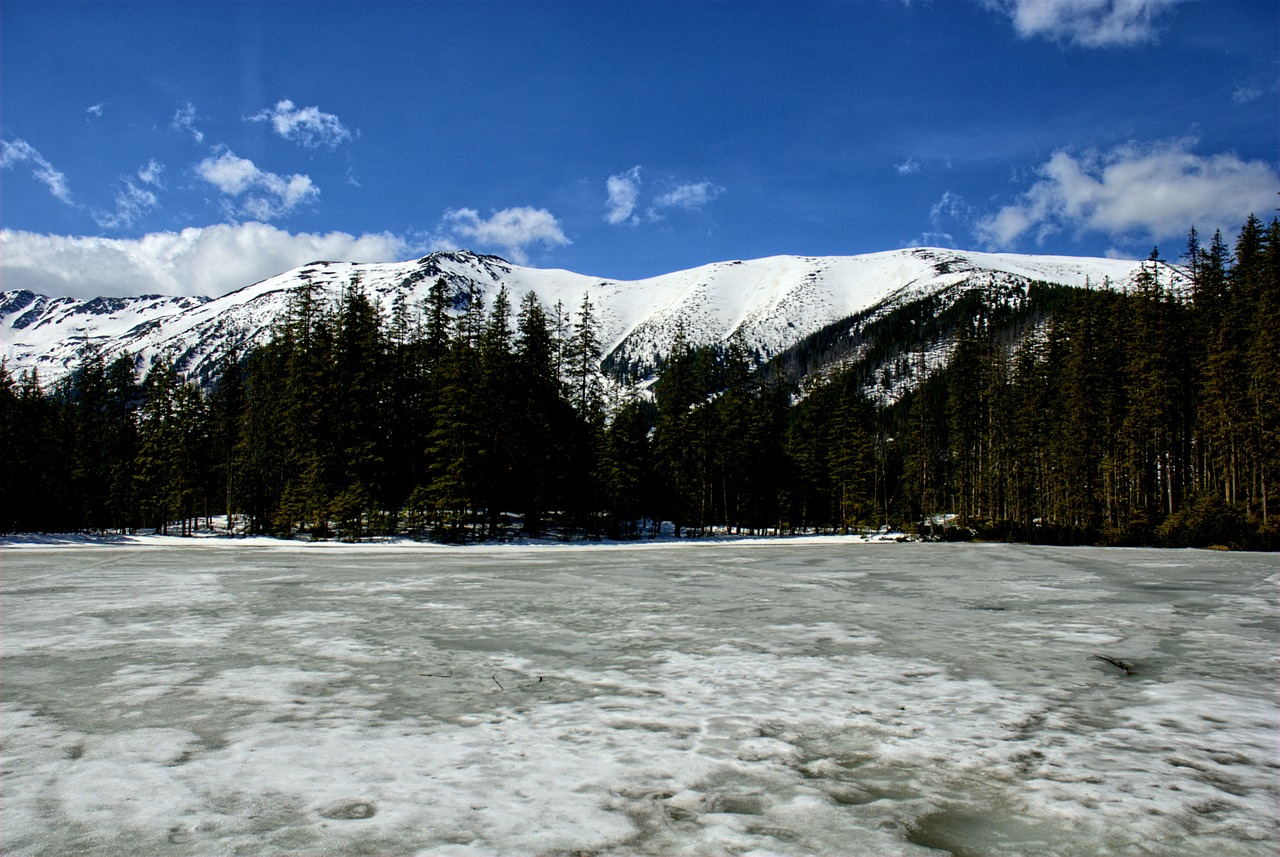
<point>772,302</point>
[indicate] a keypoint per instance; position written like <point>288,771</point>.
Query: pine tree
<point>41,443</point>
<point>540,414</point>
<point>625,467</point>
<point>583,363</point>
<point>1264,376</point>
<point>850,459</point>
<point>924,452</point>
<point>680,445</point>
<point>12,454</point>
<point>452,446</point>
<point>496,464</point>
<point>966,420</point>
<point>359,382</point>
<point>162,482</point>
<point>226,403</point>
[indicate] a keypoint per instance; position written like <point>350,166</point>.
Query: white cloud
<point>95,110</point>
<point>305,125</point>
<point>261,195</point>
<point>185,120</point>
<point>624,193</point>
<point>908,167</point>
<point>1156,191</point>
<point>150,174</point>
<point>1088,23</point>
<point>933,239</point>
<point>950,207</point>
<point>511,229</point>
<point>199,261</point>
<point>624,198</point>
<point>228,173</point>
<point>687,196</point>
<point>131,203</point>
<point>15,152</point>
<point>1246,94</point>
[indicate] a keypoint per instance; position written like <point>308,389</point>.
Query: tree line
<point>1145,416</point>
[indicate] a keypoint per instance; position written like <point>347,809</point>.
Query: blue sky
<point>197,146</point>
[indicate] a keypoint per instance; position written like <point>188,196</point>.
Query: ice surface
<point>773,697</point>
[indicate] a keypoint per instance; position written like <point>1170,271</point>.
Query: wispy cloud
<point>95,110</point>
<point>209,261</point>
<point>951,206</point>
<point>15,152</point>
<point>185,120</point>
<point>933,239</point>
<point>512,230</point>
<point>150,173</point>
<point>690,197</point>
<point>132,202</point>
<point>908,167</point>
<point>624,194</point>
<point>1156,191</point>
<point>624,198</point>
<point>1088,23</point>
<point>307,126</point>
<point>259,195</point>
<point>946,216</point>
<point>1246,94</point>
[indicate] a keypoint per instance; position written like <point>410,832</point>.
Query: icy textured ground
<point>667,699</point>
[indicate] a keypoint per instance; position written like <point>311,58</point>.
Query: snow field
<point>773,302</point>
<point>794,697</point>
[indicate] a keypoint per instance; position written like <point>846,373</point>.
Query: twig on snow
<point>1117,663</point>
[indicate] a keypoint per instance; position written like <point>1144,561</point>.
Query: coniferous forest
<point>1064,415</point>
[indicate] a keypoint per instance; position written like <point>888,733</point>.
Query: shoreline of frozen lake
<point>217,539</point>
<point>782,696</point>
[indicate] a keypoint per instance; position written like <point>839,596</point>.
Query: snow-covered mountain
<point>773,303</point>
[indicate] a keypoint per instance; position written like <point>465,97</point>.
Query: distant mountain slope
<point>773,303</point>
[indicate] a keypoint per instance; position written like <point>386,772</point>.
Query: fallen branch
<point>1118,664</point>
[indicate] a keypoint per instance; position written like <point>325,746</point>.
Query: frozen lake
<point>775,697</point>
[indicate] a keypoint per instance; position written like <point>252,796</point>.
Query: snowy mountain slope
<point>772,303</point>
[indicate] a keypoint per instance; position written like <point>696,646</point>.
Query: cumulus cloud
<point>198,261</point>
<point>307,126</point>
<point>624,194</point>
<point>185,120</point>
<point>1155,191</point>
<point>259,195</point>
<point>512,230</point>
<point>15,152</point>
<point>1088,23</point>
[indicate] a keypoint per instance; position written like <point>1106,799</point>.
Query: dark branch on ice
<point>1117,663</point>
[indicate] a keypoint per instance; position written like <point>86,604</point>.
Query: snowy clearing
<point>802,696</point>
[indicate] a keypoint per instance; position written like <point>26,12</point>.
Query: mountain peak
<point>773,303</point>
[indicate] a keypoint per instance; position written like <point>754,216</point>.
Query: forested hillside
<point>1144,416</point>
